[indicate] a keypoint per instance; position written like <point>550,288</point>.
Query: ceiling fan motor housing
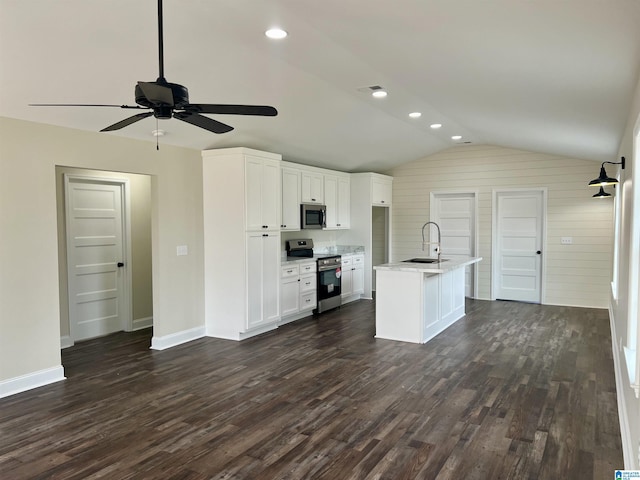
<point>180,99</point>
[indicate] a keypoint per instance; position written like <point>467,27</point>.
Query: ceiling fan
<point>165,100</point>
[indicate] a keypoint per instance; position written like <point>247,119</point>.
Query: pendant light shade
<point>601,194</point>
<point>605,179</point>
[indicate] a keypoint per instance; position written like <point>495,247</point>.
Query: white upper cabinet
<point>312,187</point>
<point>290,199</point>
<point>381,189</point>
<point>337,198</point>
<point>344,201</point>
<point>262,192</point>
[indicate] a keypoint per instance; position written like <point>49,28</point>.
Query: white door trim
<point>476,244</point>
<point>494,233</point>
<point>127,307</point>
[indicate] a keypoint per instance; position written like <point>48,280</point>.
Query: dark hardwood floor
<point>512,391</point>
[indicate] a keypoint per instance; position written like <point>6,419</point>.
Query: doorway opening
<point>379,240</point>
<point>104,251</point>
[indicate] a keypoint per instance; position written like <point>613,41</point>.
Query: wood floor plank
<point>512,391</point>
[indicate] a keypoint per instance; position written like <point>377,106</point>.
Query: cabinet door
<point>270,194</point>
<point>263,278</point>
<point>312,187</point>
<point>270,277</point>
<point>290,199</point>
<point>347,282</point>
<point>262,194</point>
<point>347,275</point>
<point>253,193</point>
<point>344,202</point>
<point>358,279</point>
<point>381,191</point>
<point>290,296</point>
<point>331,200</point>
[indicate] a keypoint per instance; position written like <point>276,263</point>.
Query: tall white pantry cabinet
<point>242,218</point>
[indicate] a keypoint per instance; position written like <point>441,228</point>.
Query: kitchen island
<point>417,301</point>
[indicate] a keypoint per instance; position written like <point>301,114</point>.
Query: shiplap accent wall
<point>577,274</point>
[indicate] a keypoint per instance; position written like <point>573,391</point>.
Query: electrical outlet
<point>566,240</point>
<point>182,250</point>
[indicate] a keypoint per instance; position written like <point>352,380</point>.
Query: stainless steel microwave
<point>313,216</point>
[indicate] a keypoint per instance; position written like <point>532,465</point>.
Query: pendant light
<point>601,194</point>
<point>605,179</point>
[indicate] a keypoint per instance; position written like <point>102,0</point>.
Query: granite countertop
<point>438,267</point>
<point>324,252</point>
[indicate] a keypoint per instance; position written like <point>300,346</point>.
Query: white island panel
<point>415,302</point>
<point>395,319</point>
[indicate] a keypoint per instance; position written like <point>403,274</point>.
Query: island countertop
<point>440,267</point>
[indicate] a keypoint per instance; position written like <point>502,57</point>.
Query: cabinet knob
<point>381,201</point>
<point>313,199</point>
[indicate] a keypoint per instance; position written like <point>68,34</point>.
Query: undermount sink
<point>425,260</point>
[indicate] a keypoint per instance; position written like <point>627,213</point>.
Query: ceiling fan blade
<point>262,110</point>
<point>157,94</point>
<point>82,105</point>
<point>127,121</point>
<point>203,122</point>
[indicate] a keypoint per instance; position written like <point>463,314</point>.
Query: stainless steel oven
<point>329,283</point>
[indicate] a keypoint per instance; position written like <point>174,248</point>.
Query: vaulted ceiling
<point>554,76</point>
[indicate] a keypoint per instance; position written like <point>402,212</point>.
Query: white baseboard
<point>31,380</point>
<point>178,338</point>
<point>66,341</point>
<point>140,323</point>
<point>625,433</point>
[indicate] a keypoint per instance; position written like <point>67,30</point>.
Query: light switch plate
<point>182,250</point>
<point>566,240</point>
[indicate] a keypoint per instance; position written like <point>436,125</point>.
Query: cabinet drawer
<point>308,301</point>
<point>346,260</point>
<point>308,284</point>
<point>358,260</point>
<point>289,271</point>
<point>307,268</point>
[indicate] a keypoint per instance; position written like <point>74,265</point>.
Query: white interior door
<point>518,245</point>
<point>95,257</point>
<point>455,213</point>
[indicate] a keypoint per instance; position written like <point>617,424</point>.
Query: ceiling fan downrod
<point>161,78</point>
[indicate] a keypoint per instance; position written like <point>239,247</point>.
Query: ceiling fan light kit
<point>165,100</point>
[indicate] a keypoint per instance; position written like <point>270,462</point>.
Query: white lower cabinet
<point>289,290</point>
<point>297,290</point>
<point>263,262</point>
<point>352,283</point>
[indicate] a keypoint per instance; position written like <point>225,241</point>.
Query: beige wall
<point>140,196</point>
<point>577,274</point>
<point>29,293</point>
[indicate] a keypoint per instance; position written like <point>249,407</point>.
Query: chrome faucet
<point>436,243</point>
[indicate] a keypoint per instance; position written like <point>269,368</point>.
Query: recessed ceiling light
<point>379,93</point>
<point>276,33</point>
<point>415,114</point>
<point>456,137</point>
<point>435,125</point>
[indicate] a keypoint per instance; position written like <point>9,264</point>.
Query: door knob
<point>120,264</point>
<point>538,252</point>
